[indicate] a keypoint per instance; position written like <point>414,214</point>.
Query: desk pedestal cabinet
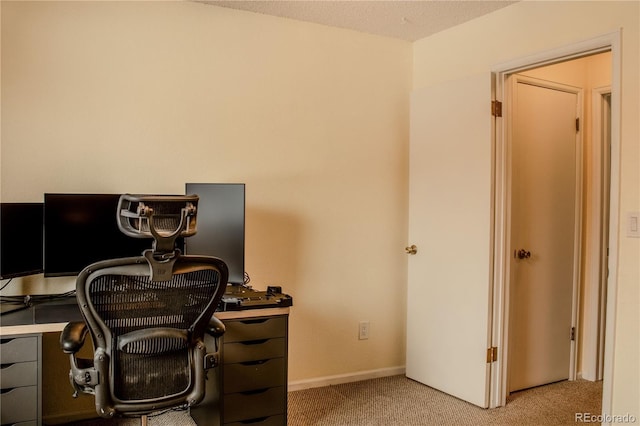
<point>254,371</point>
<point>253,374</point>
<point>20,379</point>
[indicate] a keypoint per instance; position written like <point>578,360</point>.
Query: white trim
<point>604,255</point>
<point>593,332</point>
<point>501,236</point>
<point>606,42</point>
<point>602,43</point>
<point>578,238</point>
<point>345,378</point>
<point>614,211</point>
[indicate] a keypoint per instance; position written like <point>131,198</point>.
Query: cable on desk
<point>29,300</point>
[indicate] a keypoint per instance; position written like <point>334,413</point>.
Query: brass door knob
<point>411,249</point>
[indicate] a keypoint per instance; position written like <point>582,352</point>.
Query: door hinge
<point>573,333</point>
<point>496,108</point>
<point>577,124</point>
<point>492,354</point>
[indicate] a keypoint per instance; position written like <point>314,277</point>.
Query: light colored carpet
<point>398,401</point>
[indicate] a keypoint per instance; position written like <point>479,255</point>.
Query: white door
<point>544,209</point>
<point>449,291</point>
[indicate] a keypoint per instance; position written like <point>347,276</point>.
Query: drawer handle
<point>254,342</point>
<point>258,362</point>
<point>3,391</point>
<point>254,392</point>
<point>3,366</point>
<point>253,421</point>
<point>255,321</point>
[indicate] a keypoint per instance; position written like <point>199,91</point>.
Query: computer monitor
<point>80,229</point>
<point>220,225</point>
<point>20,239</point>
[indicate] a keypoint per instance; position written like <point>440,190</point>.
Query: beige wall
<point>313,119</point>
<point>144,96</point>
<point>530,27</point>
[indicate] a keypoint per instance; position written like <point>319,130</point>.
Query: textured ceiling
<point>406,20</point>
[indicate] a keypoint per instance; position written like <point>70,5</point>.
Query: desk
<point>250,375</point>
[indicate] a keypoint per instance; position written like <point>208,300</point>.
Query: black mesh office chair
<point>147,315</point>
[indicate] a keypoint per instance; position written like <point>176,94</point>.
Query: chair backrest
<point>147,316</point>
<point>148,335</point>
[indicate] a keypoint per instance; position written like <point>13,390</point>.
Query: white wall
<point>531,27</point>
<point>144,96</point>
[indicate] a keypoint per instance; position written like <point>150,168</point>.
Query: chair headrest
<point>157,216</point>
<point>163,218</point>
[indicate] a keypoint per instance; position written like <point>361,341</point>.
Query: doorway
<point>457,293</point>
<point>545,142</point>
<point>589,297</point>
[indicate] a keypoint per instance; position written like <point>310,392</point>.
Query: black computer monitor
<point>80,229</point>
<point>20,239</point>
<point>220,225</point>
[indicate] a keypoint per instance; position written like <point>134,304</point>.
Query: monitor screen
<point>20,239</point>
<point>80,229</point>
<point>220,225</point>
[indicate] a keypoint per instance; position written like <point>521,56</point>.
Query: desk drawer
<point>18,349</point>
<point>255,329</point>
<point>254,405</point>
<point>254,350</point>
<point>19,374</point>
<point>278,420</point>
<point>253,375</point>
<point>19,405</point>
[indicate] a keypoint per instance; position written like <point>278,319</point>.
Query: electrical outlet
<point>363,330</point>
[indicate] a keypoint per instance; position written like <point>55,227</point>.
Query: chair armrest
<point>215,327</point>
<point>72,337</point>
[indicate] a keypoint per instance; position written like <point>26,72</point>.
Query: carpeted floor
<point>398,401</point>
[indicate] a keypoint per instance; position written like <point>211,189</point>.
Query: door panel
<point>448,307</point>
<point>543,218</point>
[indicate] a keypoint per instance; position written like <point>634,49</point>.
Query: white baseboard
<point>345,378</point>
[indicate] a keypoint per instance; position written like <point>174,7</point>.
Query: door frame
<point>512,80</point>
<point>607,42</point>
<point>596,273</point>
